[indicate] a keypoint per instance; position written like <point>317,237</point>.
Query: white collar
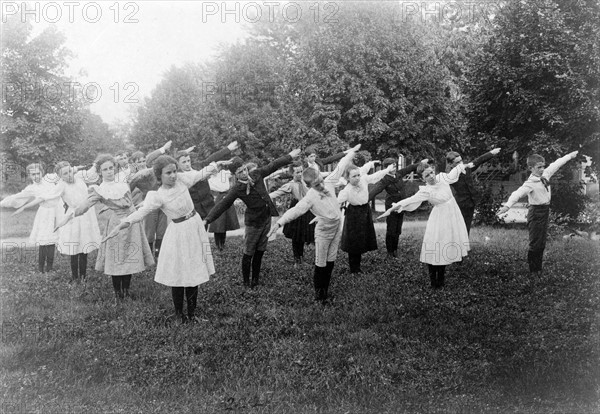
<point>112,190</point>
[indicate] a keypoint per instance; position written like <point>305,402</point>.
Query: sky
<point>122,49</point>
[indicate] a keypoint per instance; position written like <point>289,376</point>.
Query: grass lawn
<point>493,341</point>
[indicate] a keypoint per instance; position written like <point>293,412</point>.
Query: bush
<point>489,203</point>
<point>589,218</point>
<point>568,199</point>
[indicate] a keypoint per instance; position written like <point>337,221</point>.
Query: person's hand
<point>18,211</point>
<point>469,165</point>
<point>224,163</point>
<point>425,161</point>
<point>391,168</point>
<point>65,220</point>
<point>233,146</point>
<point>273,230</point>
<point>385,214</point>
<point>122,225</point>
<point>502,210</point>
<point>353,149</point>
<point>167,146</point>
<point>295,153</point>
<point>375,162</point>
<point>495,151</point>
<point>190,149</point>
<point>574,154</point>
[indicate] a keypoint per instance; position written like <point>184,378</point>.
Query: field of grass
<point>492,341</point>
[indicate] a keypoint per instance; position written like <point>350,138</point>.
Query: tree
<point>369,79</point>
<point>94,137</point>
<point>173,110</point>
<point>535,84</point>
<point>41,113</point>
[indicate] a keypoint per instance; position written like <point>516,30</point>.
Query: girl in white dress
<point>446,239</point>
<point>42,189</point>
<point>185,259</point>
<point>81,235</point>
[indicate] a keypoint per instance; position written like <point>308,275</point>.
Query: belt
<point>184,218</point>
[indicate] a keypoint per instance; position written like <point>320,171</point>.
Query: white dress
<point>49,212</point>
<point>446,239</point>
<point>185,257</point>
<point>82,233</point>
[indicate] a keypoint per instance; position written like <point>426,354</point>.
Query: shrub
<point>589,218</point>
<point>489,203</point>
<point>568,199</point>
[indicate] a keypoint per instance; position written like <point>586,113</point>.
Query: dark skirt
<point>299,230</point>
<point>359,234</point>
<point>226,221</point>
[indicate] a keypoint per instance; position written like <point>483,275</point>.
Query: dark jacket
<point>393,185</point>
<point>322,162</point>
<point>464,189</point>
<point>259,206</point>
<point>203,199</point>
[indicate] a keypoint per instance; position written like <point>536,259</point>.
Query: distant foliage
<point>490,201</point>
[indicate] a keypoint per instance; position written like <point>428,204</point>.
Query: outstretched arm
<point>151,157</point>
<point>556,165</point>
<point>336,174</point>
<point>278,163</point>
<point>484,158</point>
<point>411,168</point>
<point>408,204</point>
<point>189,178</point>
<point>454,174</point>
<point>221,206</point>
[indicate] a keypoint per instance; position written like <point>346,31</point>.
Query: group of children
<point>158,184</point>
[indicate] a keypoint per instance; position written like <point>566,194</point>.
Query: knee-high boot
<point>319,283</point>
<point>328,272</point>
<point>246,265</point>
<point>256,264</point>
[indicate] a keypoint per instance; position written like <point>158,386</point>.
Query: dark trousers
<point>321,280</point>
<point>354,262</point>
<point>220,240</point>
<point>298,249</point>
<point>79,265</point>
<point>467,213</point>
<point>393,231</point>
<point>121,285</point>
<point>191,294</point>
<point>436,274</point>
<point>46,257</point>
<point>537,223</point>
<point>253,263</point>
